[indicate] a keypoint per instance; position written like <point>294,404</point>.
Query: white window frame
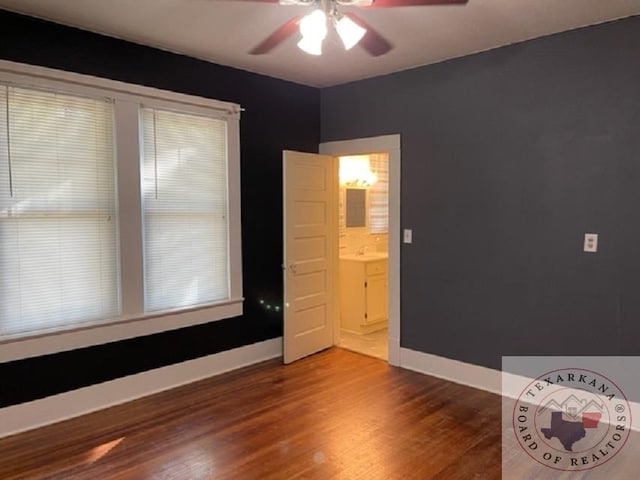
<point>133,321</point>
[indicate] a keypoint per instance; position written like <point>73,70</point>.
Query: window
<point>185,209</point>
<point>58,254</point>
<point>119,210</point>
<point>379,194</point>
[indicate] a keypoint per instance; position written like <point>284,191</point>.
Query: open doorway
<point>385,289</point>
<point>363,231</point>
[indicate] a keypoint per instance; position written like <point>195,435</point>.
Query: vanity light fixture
<point>355,172</point>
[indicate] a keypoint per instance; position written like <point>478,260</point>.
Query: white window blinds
<point>379,194</point>
<point>58,244</point>
<point>186,258</point>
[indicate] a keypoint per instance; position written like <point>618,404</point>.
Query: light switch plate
<point>408,235</point>
<point>590,242</point>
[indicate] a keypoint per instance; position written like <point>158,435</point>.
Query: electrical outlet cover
<point>591,242</point>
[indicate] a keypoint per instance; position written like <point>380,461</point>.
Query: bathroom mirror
<point>355,207</point>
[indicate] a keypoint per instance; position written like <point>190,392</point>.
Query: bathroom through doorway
<point>363,245</point>
<point>389,144</point>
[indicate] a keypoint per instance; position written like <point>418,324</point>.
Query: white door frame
<point>390,144</point>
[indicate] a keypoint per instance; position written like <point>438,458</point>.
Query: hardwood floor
<point>334,415</point>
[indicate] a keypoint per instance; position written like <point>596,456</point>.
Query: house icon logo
<point>572,419</point>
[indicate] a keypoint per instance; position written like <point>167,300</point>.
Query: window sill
<point>40,343</point>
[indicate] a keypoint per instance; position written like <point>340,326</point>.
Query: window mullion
<point>130,207</point>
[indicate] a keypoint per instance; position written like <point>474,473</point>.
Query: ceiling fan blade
<point>277,37</point>
<point>414,3</point>
<point>372,42</point>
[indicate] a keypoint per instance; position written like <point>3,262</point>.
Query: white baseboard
<point>45,411</point>
<point>482,378</point>
<point>455,371</point>
<point>468,374</point>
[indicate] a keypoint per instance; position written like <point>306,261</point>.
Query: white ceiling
<point>223,31</point>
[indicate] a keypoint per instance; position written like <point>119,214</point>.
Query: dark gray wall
<point>508,158</point>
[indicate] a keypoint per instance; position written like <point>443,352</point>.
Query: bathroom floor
<point>373,344</point>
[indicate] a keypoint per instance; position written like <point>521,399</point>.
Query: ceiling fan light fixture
<point>349,31</point>
<point>313,28</point>
<point>309,45</point>
<point>314,25</point>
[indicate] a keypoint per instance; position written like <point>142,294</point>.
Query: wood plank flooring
<point>334,415</point>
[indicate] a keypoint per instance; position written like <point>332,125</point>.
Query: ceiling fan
<point>351,29</point>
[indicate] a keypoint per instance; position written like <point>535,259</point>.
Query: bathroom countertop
<point>367,257</point>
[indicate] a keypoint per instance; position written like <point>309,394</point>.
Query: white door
<point>310,252</point>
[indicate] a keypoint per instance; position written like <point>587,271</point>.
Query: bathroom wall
<point>353,239</point>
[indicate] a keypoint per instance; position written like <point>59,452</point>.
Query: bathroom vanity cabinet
<point>364,305</point>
